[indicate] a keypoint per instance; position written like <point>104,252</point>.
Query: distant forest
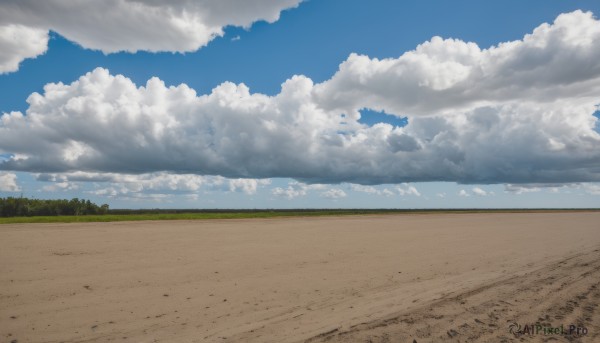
<point>24,207</point>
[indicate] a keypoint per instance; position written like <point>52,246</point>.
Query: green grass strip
<point>251,214</point>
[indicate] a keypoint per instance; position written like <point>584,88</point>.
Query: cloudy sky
<point>291,103</point>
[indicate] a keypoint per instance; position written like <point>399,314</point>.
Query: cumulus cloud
<point>364,189</point>
<point>290,192</point>
<point>334,193</point>
<point>479,191</point>
<point>298,189</point>
<point>295,189</point>
<point>8,182</point>
<point>519,112</point>
<point>60,186</point>
<point>131,186</point>
<point>520,189</point>
<point>248,186</point>
<point>587,188</point>
<point>449,75</point>
<point>128,185</point>
<point>124,25</point>
<point>370,190</point>
<point>387,192</point>
<point>591,188</point>
<point>406,189</point>
<point>18,42</point>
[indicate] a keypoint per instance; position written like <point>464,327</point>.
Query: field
<point>368,278</point>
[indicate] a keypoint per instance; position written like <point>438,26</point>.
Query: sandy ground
<point>389,278</point>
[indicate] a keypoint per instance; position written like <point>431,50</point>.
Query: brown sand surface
<point>376,278</point>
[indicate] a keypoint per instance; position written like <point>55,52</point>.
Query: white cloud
<point>18,42</point>
<point>520,112</point>
<point>296,189</point>
<point>479,191</point>
<point>586,187</point>
<point>370,190</point>
<point>538,187</point>
<point>447,75</point>
<point>108,192</point>
<point>127,185</point>
<point>124,25</point>
<point>60,186</point>
<point>334,193</point>
<point>591,188</point>
<point>8,182</point>
<point>441,195</point>
<point>406,189</point>
<point>387,192</point>
<point>248,186</point>
<point>289,192</point>
<point>520,189</point>
<point>364,189</point>
<point>463,193</point>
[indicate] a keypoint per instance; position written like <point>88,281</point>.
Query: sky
<point>301,104</point>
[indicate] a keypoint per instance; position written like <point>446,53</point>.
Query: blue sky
<point>505,166</point>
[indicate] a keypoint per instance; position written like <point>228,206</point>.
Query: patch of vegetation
<point>25,207</point>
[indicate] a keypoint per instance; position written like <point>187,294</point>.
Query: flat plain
<point>373,278</point>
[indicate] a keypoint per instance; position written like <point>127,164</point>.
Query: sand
<point>386,278</point>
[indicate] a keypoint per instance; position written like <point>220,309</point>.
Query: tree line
<point>25,207</point>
